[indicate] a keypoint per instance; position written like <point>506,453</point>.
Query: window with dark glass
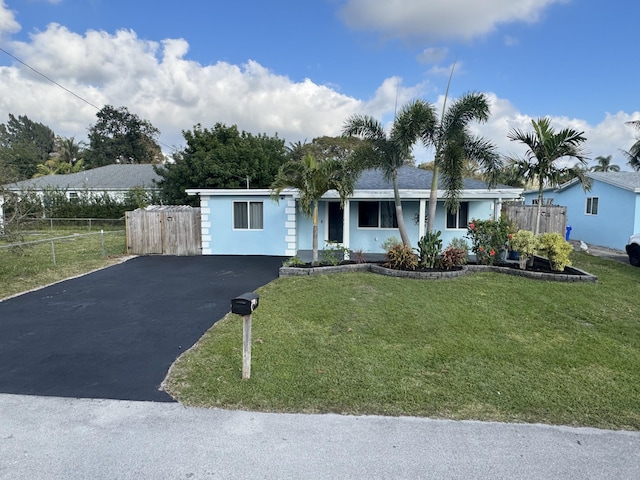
<point>247,215</point>
<point>460,218</point>
<point>592,205</point>
<point>377,215</point>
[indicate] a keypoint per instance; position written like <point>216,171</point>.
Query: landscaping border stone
<point>577,275</point>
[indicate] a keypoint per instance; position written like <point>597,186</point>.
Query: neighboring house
<point>249,222</point>
<point>607,214</point>
<point>116,180</point>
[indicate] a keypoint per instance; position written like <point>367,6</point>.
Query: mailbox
<point>245,303</point>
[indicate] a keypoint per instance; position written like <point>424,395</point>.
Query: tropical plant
<point>401,257</point>
<point>633,154</point>
<point>456,148</point>
<point>545,148</point>
<point>452,257</point>
<point>313,179</point>
<point>333,253</point>
<point>553,246</point>
<point>460,244</point>
<point>525,243</point>
<point>605,165</point>
<point>429,248</point>
<point>390,152</point>
<point>488,238</point>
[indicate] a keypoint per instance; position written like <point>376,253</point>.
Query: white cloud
<point>433,55</point>
<point>8,22</point>
<point>442,19</point>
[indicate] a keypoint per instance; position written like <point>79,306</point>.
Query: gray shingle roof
<point>110,177</point>
<point>411,178</point>
<point>626,180</point>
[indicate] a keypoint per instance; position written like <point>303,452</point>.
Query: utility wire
<point>63,87</point>
<point>50,79</point>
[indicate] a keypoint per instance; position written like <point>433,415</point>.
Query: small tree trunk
<point>538,211</point>
<point>399,216</point>
<point>433,200</point>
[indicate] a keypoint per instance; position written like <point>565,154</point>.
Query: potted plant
<point>526,244</point>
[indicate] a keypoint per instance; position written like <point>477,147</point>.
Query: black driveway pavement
<point>115,332</point>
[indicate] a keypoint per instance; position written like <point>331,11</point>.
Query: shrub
<point>453,257</point>
<point>333,253</point>
<point>556,249</point>
<point>488,238</point>
<point>293,262</point>
<point>401,257</point>
<point>524,242</point>
<point>390,242</point>
<point>358,256</point>
<point>429,247</point>
<point>460,244</point>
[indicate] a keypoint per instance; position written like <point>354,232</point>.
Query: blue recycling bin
<point>566,237</point>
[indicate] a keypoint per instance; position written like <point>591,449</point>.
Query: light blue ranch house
<point>607,215</point>
<point>250,222</point>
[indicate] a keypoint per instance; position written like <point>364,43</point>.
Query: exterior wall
<point>618,214</point>
<point>220,238</point>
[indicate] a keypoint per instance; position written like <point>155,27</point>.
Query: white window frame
<point>253,224</point>
<point>589,206</point>
<point>459,224</point>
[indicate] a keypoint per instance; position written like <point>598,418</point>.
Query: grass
<point>485,347</point>
<point>26,267</point>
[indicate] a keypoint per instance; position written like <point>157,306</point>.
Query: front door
<point>336,222</point>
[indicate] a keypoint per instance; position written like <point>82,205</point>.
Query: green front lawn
<point>486,347</point>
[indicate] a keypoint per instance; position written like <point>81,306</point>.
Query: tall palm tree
<point>389,152</point>
<point>633,154</point>
<point>545,148</point>
<point>605,165</point>
<point>313,179</point>
<point>456,148</point>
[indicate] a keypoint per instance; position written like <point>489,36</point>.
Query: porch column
<point>346,212</point>
<point>422,214</point>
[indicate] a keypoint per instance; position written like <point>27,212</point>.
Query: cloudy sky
<point>300,68</point>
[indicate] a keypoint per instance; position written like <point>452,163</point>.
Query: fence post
<point>102,241</point>
<point>53,253</point>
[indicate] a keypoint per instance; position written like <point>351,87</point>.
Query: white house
<point>605,215</point>
<point>249,222</point>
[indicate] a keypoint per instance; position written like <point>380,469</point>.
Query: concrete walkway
<point>62,438</point>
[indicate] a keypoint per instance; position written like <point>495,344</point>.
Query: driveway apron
<point>114,333</point>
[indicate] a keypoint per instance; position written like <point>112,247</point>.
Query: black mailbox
<point>245,303</point>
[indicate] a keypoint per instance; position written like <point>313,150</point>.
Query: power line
<point>50,79</point>
<point>64,88</point>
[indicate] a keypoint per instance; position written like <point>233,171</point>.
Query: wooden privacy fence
<point>553,218</point>
<point>164,230</point>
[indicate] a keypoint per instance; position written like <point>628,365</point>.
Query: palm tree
<point>390,152</point>
<point>456,149</point>
<point>633,154</point>
<point>545,147</point>
<point>604,165</point>
<point>313,179</point>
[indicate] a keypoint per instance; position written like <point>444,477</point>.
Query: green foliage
<point>121,137</point>
<point>390,242</point>
<point>524,242</point>
<point>221,157</point>
<point>293,262</point>
<point>333,253</point>
<point>23,145</point>
<point>488,238</point>
<point>460,244</point>
<point>429,247</point>
<point>556,249</point>
<point>452,257</point>
<point>401,257</point>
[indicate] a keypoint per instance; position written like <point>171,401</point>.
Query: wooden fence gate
<point>164,230</point>
<point>553,218</point>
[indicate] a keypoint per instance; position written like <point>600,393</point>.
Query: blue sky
<point>300,69</point>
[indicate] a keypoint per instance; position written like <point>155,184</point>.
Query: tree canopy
<point>23,145</point>
<point>222,157</point>
<point>121,137</point>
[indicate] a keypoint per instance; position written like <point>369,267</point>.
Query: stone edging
<point>375,268</point>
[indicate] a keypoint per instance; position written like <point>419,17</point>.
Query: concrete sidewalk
<point>63,438</point>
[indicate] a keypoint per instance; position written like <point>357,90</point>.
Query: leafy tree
<point>390,152</point>
<point>605,165</point>
<point>633,154</point>
<point>325,148</point>
<point>456,149</point>
<point>313,178</point>
<point>67,158</point>
<point>221,157</point>
<point>23,145</point>
<point>121,137</point>
<point>545,148</point>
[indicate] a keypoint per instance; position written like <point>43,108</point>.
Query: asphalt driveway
<point>114,333</point>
